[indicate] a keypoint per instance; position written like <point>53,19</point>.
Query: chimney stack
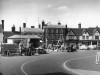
<point>39,26</point>
<point>43,24</point>
<point>66,29</point>
<point>79,25</point>
<point>66,25</point>
<point>32,27</point>
<point>20,29</point>
<point>2,23</point>
<point>13,28</point>
<point>24,25</point>
<point>59,23</point>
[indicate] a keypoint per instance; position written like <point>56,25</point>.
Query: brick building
<point>55,33</point>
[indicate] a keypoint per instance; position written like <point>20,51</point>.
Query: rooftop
<point>32,30</point>
<point>24,37</point>
<point>55,26</point>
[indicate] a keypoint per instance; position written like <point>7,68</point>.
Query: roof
<point>9,33</point>
<point>79,31</point>
<point>32,30</point>
<point>24,37</point>
<point>55,26</point>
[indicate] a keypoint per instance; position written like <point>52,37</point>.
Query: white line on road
<point>66,67</point>
<point>25,64</point>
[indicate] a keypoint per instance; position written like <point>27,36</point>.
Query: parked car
<point>72,48</point>
<point>92,47</point>
<point>83,47</point>
<point>41,50</point>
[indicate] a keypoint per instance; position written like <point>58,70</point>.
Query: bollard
<point>98,58</point>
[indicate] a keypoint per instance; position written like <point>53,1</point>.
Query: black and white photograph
<point>49,37</point>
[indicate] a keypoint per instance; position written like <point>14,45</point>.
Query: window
<point>61,36</point>
<point>61,31</point>
<point>87,37</point>
<point>97,37</point>
<point>56,30</point>
<point>83,37</point>
<point>71,37</point>
<point>52,36</point>
<point>56,36</point>
<point>47,30</point>
<point>52,30</point>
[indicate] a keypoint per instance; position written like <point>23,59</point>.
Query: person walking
<point>98,58</point>
<point>20,48</point>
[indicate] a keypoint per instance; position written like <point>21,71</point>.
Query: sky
<point>32,12</point>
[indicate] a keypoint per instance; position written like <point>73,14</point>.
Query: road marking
<point>66,67</point>
<point>25,64</point>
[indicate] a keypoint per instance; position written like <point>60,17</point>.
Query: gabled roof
<point>92,30</point>
<point>32,30</point>
<point>55,26</point>
<point>77,31</point>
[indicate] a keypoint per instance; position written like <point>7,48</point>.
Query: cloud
<point>49,6</point>
<point>63,8</point>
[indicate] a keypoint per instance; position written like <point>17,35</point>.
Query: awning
<point>24,37</point>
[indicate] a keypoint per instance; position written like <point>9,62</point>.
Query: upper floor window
<point>56,36</point>
<point>56,30</point>
<point>71,37</point>
<point>97,37</point>
<point>52,36</point>
<point>47,30</point>
<point>83,37</point>
<point>52,30</point>
<point>61,31</point>
<point>87,37</point>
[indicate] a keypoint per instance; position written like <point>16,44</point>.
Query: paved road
<point>48,64</point>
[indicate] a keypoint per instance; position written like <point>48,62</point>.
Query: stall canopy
<point>24,37</point>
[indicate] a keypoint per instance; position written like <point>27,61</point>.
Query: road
<point>47,64</point>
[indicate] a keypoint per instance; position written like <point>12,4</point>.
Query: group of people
<point>28,50</point>
<point>64,47</point>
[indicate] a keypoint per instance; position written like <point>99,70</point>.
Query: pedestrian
<point>98,58</point>
<point>20,47</point>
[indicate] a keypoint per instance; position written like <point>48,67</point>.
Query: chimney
<point>2,23</point>
<point>66,29</point>
<point>66,26</point>
<point>79,25</point>
<point>43,24</point>
<point>13,28</point>
<point>39,26</point>
<point>32,27</point>
<point>59,23</point>
<point>20,29</point>
<point>24,25</point>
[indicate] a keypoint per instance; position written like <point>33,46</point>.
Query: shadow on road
<point>1,73</point>
<point>58,73</point>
